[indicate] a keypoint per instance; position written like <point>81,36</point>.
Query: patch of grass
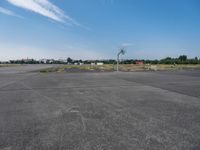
<point>122,67</point>
<point>146,67</point>
<point>48,70</point>
<point>86,68</point>
<point>78,68</point>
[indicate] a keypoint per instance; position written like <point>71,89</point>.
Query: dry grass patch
<point>122,67</point>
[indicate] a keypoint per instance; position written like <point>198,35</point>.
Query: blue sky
<point>95,29</point>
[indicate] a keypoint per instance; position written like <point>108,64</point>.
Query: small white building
<point>51,60</point>
<point>99,63</point>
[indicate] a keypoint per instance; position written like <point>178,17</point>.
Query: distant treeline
<point>183,59</point>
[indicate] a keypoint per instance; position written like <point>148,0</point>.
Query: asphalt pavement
<point>99,111</point>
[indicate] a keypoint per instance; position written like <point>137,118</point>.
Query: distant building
<point>138,62</point>
<point>51,61</point>
<point>99,63</point>
<point>93,64</point>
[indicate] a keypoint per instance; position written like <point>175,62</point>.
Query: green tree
<point>69,60</point>
<point>182,58</point>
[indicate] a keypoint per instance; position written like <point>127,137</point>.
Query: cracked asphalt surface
<point>99,111</point>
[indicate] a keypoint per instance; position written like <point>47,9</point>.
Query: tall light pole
<point>121,52</point>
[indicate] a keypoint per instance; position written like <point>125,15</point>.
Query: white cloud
<point>44,8</point>
<point>8,12</point>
